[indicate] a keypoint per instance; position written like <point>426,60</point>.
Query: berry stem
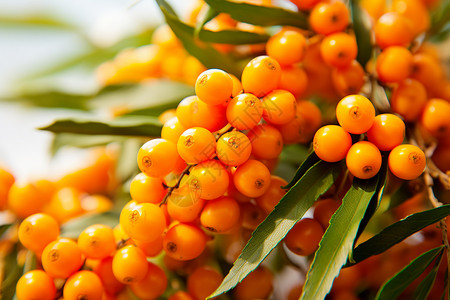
<point>177,184</point>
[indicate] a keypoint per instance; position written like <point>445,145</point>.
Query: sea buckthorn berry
<point>273,195</point>
<point>152,248</point>
<point>146,189</point>
<point>37,231</point>
<point>184,206</point>
<point>142,221</point>
<point>172,129</point>
<point>97,241</point>
<point>348,80</point>
<point>214,86</point>
<point>237,86</point>
<point>25,199</point>
<point>157,157</point>
<point>252,178</point>
<point>279,107</point>
<point>65,204</point>
<point>415,11</point>
<point>104,271</point>
<point>209,179</point>
<point>435,118</point>
<point>294,80</point>
<point>252,215</point>
<point>394,64</point>
<point>6,181</point>
<point>62,258</point>
<point>129,264</point>
<point>329,17</point>
<point>184,242</point>
<point>96,203</point>
<point>261,75</point>
<point>339,49</point>
<point>307,120</point>
<point>220,214</point>
<point>153,285</point>
<point>287,47</point>
<point>167,115</point>
<point>257,285</point>
<point>363,160</point>
<point>387,132</point>
<point>305,4</point>
<point>408,99</point>
<point>233,148</point>
<point>33,283</point>
<point>331,143</point>
<point>355,113</point>
<point>266,141</point>
<point>244,111</point>
<point>407,161</point>
<point>393,29</point>
<point>181,295</point>
<point>83,285</point>
<point>303,239</point>
<point>196,144</point>
<point>203,281</point>
<point>427,70</point>
<point>324,210</point>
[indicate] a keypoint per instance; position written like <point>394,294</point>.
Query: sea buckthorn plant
<point>285,150</point>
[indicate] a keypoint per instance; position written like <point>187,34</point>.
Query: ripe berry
<point>304,237</point>
<point>158,157</point>
<point>37,231</point>
<point>153,285</point>
<point>83,285</point>
<point>196,144</point>
<point>435,118</point>
<point>393,29</point>
<point>62,258</point>
<point>97,241</point>
<point>203,281</point>
<point>146,189</point>
<point>407,161</point>
<point>387,132</point>
<point>339,49</point>
<point>257,285</point>
<point>252,178</point>
<point>355,113</point>
<point>279,107</point>
<point>233,148</point>
<point>209,179</point>
<point>244,111</point>
<point>261,75</point>
<point>220,214</point>
<point>129,264</point>
<point>184,242</point>
<point>394,64</point>
<point>287,47</point>
<point>331,143</point>
<point>33,283</point>
<point>266,141</point>
<point>363,160</point>
<point>408,99</point>
<point>329,17</point>
<point>214,87</point>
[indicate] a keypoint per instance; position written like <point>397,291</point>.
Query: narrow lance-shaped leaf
<point>204,18</point>
<point>338,239</point>
<point>424,287</point>
<point>311,160</point>
<point>274,228</point>
<point>440,20</point>
<point>362,29</point>
<point>397,284</point>
<point>403,193</point>
<point>397,232</point>
<point>259,15</point>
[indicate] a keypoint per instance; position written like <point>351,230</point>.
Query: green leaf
<point>4,228</point>
<point>274,228</point>
<point>124,126</point>
<point>398,231</point>
<point>74,227</point>
<point>51,99</point>
<point>362,28</point>
<point>403,193</point>
<point>207,55</point>
<point>397,284</point>
<point>310,161</point>
<point>425,286</point>
<point>294,154</point>
<point>204,18</point>
<point>13,271</point>
<point>35,20</point>
<point>61,140</point>
<point>260,15</point>
<point>338,239</point>
<point>440,20</point>
<point>234,37</point>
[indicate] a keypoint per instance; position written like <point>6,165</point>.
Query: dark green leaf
<point>52,99</point>
<point>126,165</point>
<point>204,18</point>
<point>259,15</point>
<point>379,97</point>
<point>440,19</point>
<point>424,287</point>
<point>13,271</point>
<point>4,228</point>
<point>403,193</point>
<point>74,227</point>
<point>294,154</point>
<point>61,140</point>
<point>363,31</point>
<point>338,239</point>
<point>274,228</point>
<point>234,37</point>
<point>398,231</point>
<point>397,284</point>
<point>125,126</point>
<point>310,161</point>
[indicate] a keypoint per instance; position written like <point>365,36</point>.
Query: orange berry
<point>196,144</point>
<point>233,148</point>
<point>279,107</point>
<point>97,241</point>
<point>142,221</point>
<point>329,17</point>
<point>62,258</point>
<point>261,75</point>
<point>33,283</point>
<point>408,99</point>
<point>363,160</point>
<point>407,161</point>
<point>237,86</point>
<point>65,204</point>
<point>273,195</point>
<point>83,285</point>
<point>303,239</point>
<point>252,178</point>
<point>6,181</point>
<point>294,80</point>
<point>96,204</point>
<point>157,157</point>
<point>209,179</point>
<point>339,49</point>
<point>184,242</point>
<point>220,214</point>
<point>348,80</point>
<point>129,264</point>
<point>25,199</point>
<point>287,47</point>
<point>203,281</point>
<point>37,231</point>
<point>172,129</point>
<point>393,29</point>
<point>394,64</point>
<point>104,271</point>
<point>355,113</point>
<point>152,248</point>
<point>331,143</point>
<point>252,215</point>
<point>387,132</point>
<point>153,285</point>
<point>214,87</point>
<point>146,189</point>
<point>427,70</point>
<point>257,285</point>
<point>167,115</point>
<point>181,295</point>
<point>244,111</point>
<point>266,141</point>
<point>435,118</point>
<point>184,208</point>
<point>324,210</point>
<point>305,4</point>
<point>416,13</point>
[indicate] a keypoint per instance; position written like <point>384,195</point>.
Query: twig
<point>177,185</point>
